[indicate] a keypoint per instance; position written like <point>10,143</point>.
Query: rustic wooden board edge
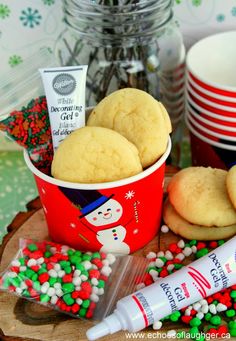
<point>13,338</point>
<point>18,220</point>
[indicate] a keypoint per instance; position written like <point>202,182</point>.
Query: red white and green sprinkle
<point>68,280</point>
<point>73,281</point>
<point>214,316</point>
<point>29,127</point>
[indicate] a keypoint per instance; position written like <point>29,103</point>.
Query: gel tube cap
<point>204,277</point>
<point>109,325</point>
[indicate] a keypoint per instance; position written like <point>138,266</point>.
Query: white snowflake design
<point>129,195</point>
<point>72,225</point>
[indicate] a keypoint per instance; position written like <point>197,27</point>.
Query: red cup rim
<point>211,123</point>
<point>209,129</point>
<point>105,185</point>
<point>205,139</point>
<point>201,104</point>
<point>208,98</point>
<point>214,105</point>
<point>210,132</point>
<point>221,88</point>
<point>211,87</point>
<point>207,90</point>
<point>209,113</point>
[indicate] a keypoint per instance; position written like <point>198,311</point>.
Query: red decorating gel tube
<point>206,276</point>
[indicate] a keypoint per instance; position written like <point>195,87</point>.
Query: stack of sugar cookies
<point>201,203</point>
<point>125,133</point>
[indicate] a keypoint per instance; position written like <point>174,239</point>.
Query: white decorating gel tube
<point>202,278</point>
<point>65,93</point>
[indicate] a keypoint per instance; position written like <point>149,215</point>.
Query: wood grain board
<point>21,319</point>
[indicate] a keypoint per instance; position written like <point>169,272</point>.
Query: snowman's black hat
<point>86,200</point>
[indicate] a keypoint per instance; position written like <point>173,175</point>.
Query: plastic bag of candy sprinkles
<point>81,284</point>
<point>23,113</point>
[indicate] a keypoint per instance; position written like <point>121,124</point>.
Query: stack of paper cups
<point>211,100</point>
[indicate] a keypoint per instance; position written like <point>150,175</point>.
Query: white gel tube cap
<point>109,325</point>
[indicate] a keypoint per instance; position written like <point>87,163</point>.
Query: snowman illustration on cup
<point>102,213</point>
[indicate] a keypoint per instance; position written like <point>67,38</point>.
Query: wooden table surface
<point>21,319</point>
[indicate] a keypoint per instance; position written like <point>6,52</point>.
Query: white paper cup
<point>223,141</point>
<point>206,91</point>
<point>215,105</point>
<point>212,60</point>
<point>208,112</point>
<point>212,124</point>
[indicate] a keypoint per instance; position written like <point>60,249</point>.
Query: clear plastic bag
<point>23,113</point>
<point>81,284</point>
<point>23,82</point>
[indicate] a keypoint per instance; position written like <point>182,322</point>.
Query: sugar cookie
<point>231,185</point>
<point>199,195</point>
<point>95,154</point>
<point>187,230</point>
<point>139,117</point>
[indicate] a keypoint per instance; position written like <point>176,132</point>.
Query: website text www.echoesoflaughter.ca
<point>182,335</point>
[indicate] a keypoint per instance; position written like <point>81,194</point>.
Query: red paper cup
<point>220,123</point>
<point>230,121</point>
<point>204,117</point>
<point>207,102</point>
<point>208,158</point>
<point>212,70</point>
<point>209,99</point>
<point>200,132</point>
<point>120,216</point>
<point>210,153</point>
<point>215,122</point>
<point>214,108</point>
<point>226,94</point>
<point>208,131</point>
<point>204,88</point>
<point>211,126</point>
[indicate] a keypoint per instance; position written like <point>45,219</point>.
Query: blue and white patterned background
<point>199,18</point>
<point>27,25</point>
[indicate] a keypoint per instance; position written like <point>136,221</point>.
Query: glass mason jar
<point>125,43</point>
